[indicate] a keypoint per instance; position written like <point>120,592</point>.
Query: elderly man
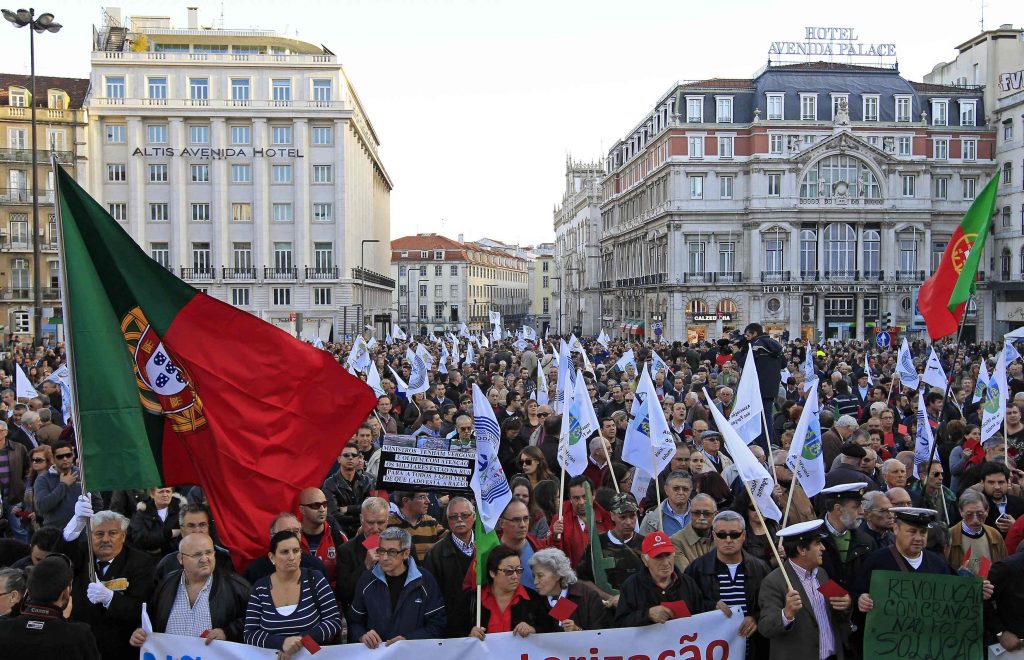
<point>48,432</point>
<point>597,463</point>
<point>360,553</point>
<point>894,474</point>
<point>832,441</point>
<point>643,596</point>
<point>849,469</point>
<point>197,600</point>
<point>972,536</point>
<point>111,604</point>
<point>845,543</point>
<point>930,492</point>
<point>675,508</point>
<point>12,591</point>
<point>462,439</point>
<point>377,618</point>
<point>714,459</point>
<point>621,544</point>
<point>877,521</point>
<point>899,497</point>
<point>695,539</point>
<point>449,561</point>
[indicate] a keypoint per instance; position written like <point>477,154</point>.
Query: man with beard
<point>846,544</point>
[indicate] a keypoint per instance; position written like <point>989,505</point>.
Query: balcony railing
<point>204,273</point>
<point>25,156</point>
<point>280,273</point>
<point>729,277</point>
<point>51,293</point>
<point>239,273</point>
<point>371,277</point>
<point>809,276</point>
<point>775,275</point>
<point>841,275</point>
<point>696,278</point>
<point>910,276</point>
<point>322,273</point>
<point>17,293</point>
<point>873,275</point>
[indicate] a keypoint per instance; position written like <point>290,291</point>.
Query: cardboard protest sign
<point>920,615</point>
<point>422,469</point>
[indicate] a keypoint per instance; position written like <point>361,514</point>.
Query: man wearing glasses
<point>197,600</point>
<point>346,489</point>
<point>449,560</point>
<point>56,490</point>
<point>695,539</point>
<point>360,553</point>
<point>462,439</point>
<point>193,519</point>
<point>321,536</point>
<point>14,469</point>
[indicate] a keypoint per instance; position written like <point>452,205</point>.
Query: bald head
<point>312,510</point>
<point>197,557</point>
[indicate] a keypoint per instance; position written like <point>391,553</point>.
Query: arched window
<point>696,306</point>
<point>808,251</point>
<point>833,174</point>
<point>1004,264</point>
<point>726,306</point>
<point>872,262</point>
<point>840,248</point>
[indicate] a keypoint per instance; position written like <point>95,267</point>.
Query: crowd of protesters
<point>349,563</point>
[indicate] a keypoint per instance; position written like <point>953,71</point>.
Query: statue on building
<point>842,113</point>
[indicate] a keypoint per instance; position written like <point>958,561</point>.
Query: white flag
<point>442,367</point>
<point>455,352</point>
<point>747,407</point>
<point>464,331</point>
<point>400,384</point>
<point>520,345</point>
<point>540,395</point>
<point>488,482</point>
<point>982,385</point>
<point>359,357</point>
<point>496,333</point>
<point>418,381</point>
<point>373,380</point>
<point>996,394</point>
<point>62,376</point>
<point>806,448</point>
<point>626,359</point>
<point>22,384</point>
<point>649,444</point>
<point>934,375</point>
<point>372,342</point>
<point>577,346</point>
<point>603,339</point>
<point>494,317</point>
<point>578,423</point>
<point>867,370</point>
<point>425,355</point>
<point>1011,352</point>
<point>566,376</point>
<point>657,364</point>
<point>905,368</point>
<point>399,333</point>
<point>529,333</point>
<point>924,439</point>
<point>809,375</point>
<point>483,341</point>
<point>784,375</point>
<point>470,357</point>
<point>749,468</point>
<point>388,339</point>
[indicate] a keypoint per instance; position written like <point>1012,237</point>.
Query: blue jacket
<point>419,614</point>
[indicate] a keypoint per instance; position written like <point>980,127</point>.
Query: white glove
<point>98,594</point>
<point>83,511</point>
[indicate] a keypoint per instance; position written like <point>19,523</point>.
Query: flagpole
<point>771,544</point>
<point>949,384</point>
<point>792,486</point>
<point>657,493</point>
<point>611,468</point>
<point>561,488</point>
<point>768,445</point>
<point>69,350</point>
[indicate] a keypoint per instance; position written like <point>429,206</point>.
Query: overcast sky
<point>477,103</point>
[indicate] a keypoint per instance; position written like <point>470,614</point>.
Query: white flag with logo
<point>924,439</point>
<point>494,317</point>
<point>373,380</point>
<point>470,356</point>
<point>996,394</point>
<point>649,444</point>
<point>400,384</point>
<point>982,385</point>
<point>905,368</point>
<point>626,359</point>
<point>657,364</point>
<point>496,333</point>
<point>805,456</point>
<point>22,384</point>
<point>369,344</point>
<point>425,355</point>
<point>540,394</point>
<point>747,407</point>
<point>566,376</point>
<point>809,375</point>
<point>488,482</point>
<point>934,374</point>
<point>359,357</point>
<point>603,339</point>
<point>867,370</point>
<point>399,334</point>
<point>63,379</point>
<point>748,467</point>
<point>529,333</point>
<point>579,422</point>
<point>455,352</point>
<point>418,380</point>
<point>388,338</point>
<point>442,367</point>
<point>1011,352</point>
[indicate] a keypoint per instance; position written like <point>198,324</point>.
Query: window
<point>774,144</point>
<point>940,187</point>
<point>200,212</point>
<point>696,258</point>
<point>159,212</point>
<point>157,133</point>
<point>241,212</point>
<point>240,90</point>
<point>117,172</point>
<point>22,322</point>
<point>438,291</point>
<point>775,106</point>
<point>322,174</point>
<point>808,107</point>
<point>200,173</point>
<point>774,184</point>
<point>282,296</point>
<point>839,306</point>
<point>282,212</point>
<point>117,134</point>
<point>423,312</point>
<point>455,269</point>
<point>723,109</point>
<point>241,256</point>
<point>281,173</point>
<point>725,187</point>
<point>870,107</point>
<point>725,146</point>
<point>240,296</point>
<point>1006,216</point>
<point>323,135</point>
<point>241,174</point>
<point>903,108</point>
<point>115,87</point>
<point>438,271</point>
<point>696,187</point>
<point>322,90</point>
<point>970,188</point>
<point>18,98</point>
<point>968,113</point>
<point>1008,129</point>
<point>1004,264</point>
<point>323,212</point>
<point>201,257</point>
<point>199,89</point>
<point>19,230</point>
<point>241,135</point>
<point>439,255</point>
<point>773,255</point>
<point>281,90</point>
<point>909,185</point>
<point>282,256</point>
<point>940,112</point>
<point>158,87</point>
<point>837,101</point>
<point>323,255</point>
<point>118,211</point>
<point>840,248</point>
<point>938,249</point>
<point>1007,172</point>
<point>158,173</point>
<point>454,291</point>
<point>726,257</point>
<point>199,134</point>
<point>970,149</point>
<point>696,146</point>
<point>322,295</point>
<point>903,145</point>
<point>694,109</point>
<point>907,255</point>
<point>281,135</point>
<point>18,138</point>
<point>940,149</point>
<point>161,253</point>
<point>808,251</point>
<point>821,179</point>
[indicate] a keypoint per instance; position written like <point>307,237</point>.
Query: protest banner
<point>709,636</point>
<point>416,465</point>
<point>920,615</point>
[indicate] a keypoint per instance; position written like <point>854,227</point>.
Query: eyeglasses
<point>390,552</point>
<point>701,514</point>
<point>524,520</point>
<point>38,460</point>
<point>729,535</point>
<point>315,505</point>
<point>679,489</point>
<point>543,415</point>
<point>975,515</point>
<point>202,525</point>
<point>527,461</point>
<point>113,534</point>
<point>356,455</point>
<point>61,457</point>
<point>466,515</point>
<point>198,555</point>
<point>509,572</point>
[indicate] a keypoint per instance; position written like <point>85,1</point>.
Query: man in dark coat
<point>846,544</point>
<point>449,560</point>
<point>621,544</point>
<point>1004,612</point>
<point>354,557</point>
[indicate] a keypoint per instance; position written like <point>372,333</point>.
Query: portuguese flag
<point>943,297</point>
<point>174,387</point>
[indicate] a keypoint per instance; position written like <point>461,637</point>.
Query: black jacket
<point>639,594</point>
<point>532,610</point>
<point>704,571</point>
<point>170,564</point>
<point>449,566</point>
<point>861,545</point>
<point>1005,610</point>
<point>229,596</point>
<point>41,632</point>
<point>769,360</point>
<point>149,533</point>
<point>590,614</point>
<point>1014,507</point>
<point>344,499</point>
<point>351,565</point>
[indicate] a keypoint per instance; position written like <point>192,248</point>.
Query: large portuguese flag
<point>943,297</point>
<point>175,387</point>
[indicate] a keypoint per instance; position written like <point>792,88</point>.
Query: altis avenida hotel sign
<point>217,154</point>
<point>831,42</point>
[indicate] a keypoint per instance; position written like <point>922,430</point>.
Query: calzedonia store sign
<point>217,154</point>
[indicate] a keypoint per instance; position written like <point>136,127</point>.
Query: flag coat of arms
<point>186,389</point>
<point>648,444</point>
<point>805,458</point>
<point>982,384</point>
<point>994,404</point>
<point>579,422</point>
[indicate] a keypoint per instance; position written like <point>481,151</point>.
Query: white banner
<point>709,635</point>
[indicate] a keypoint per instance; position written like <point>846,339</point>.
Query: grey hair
<point>729,516</point>
<point>704,496</point>
<point>14,579</point>
<point>679,474</point>
<point>102,517</point>
<point>458,500</point>
<point>374,504</point>
<point>847,421</point>
<point>596,442</point>
<point>397,534</point>
<point>45,415</point>
<point>873,500</point>
<point>889,464</point>
<point>555,561</point>
<point>971,496</point>
<point>30,417</point>
<point>3,426</point>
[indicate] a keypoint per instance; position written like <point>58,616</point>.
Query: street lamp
<point>362,275</point>
<point>45,23</point>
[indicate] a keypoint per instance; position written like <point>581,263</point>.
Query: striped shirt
<point>425,533</point>
<point>809,581</point>
<point>731,586</point>
<point>315,615</point>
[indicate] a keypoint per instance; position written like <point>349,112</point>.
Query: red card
<point>563,609</point>
<point>983,567</point>
<point>902,428</point>
<point>890,441</point>
<point>205,633</point>
<point>372,541</point>
<point>678,608</point>
<point>831,589</point>
<point>967,555</point>
<point>310,644</point>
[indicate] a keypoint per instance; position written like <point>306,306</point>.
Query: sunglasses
<point>527,461</point>
<point>62,456</point>
<point>543,415</point>
<point>38,460</point>
<point>509,572</point>
<point>315,505</point>
<point>729,535</point>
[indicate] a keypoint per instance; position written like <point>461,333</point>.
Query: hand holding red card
<point>372,541</point>
<point>563,609</point>
<point>678,608</point>
<point>902,428</point>
<point>310,644</point>
<point>831,589</point>
<point>983,567</point>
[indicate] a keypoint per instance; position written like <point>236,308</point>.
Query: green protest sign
<point>920,615</point>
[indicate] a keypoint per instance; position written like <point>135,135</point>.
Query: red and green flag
<point>942,299</point>
<point>176,387</point>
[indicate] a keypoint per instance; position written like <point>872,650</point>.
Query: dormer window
<point>17,97</point>
<point>57,99</point>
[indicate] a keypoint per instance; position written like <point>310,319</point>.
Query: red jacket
<point>574,540</point>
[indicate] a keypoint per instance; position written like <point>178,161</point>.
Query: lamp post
<point>423,271</point>
<point>45,23</point>
<point>362,275</point>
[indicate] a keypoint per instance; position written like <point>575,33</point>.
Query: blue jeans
<point>18,530</point>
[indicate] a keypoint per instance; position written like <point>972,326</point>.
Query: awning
<point>638,328</point>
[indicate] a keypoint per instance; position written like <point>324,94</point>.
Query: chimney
<point>461,238</point>
<point>193,18</point>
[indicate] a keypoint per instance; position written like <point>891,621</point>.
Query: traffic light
<point>887,320</point>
